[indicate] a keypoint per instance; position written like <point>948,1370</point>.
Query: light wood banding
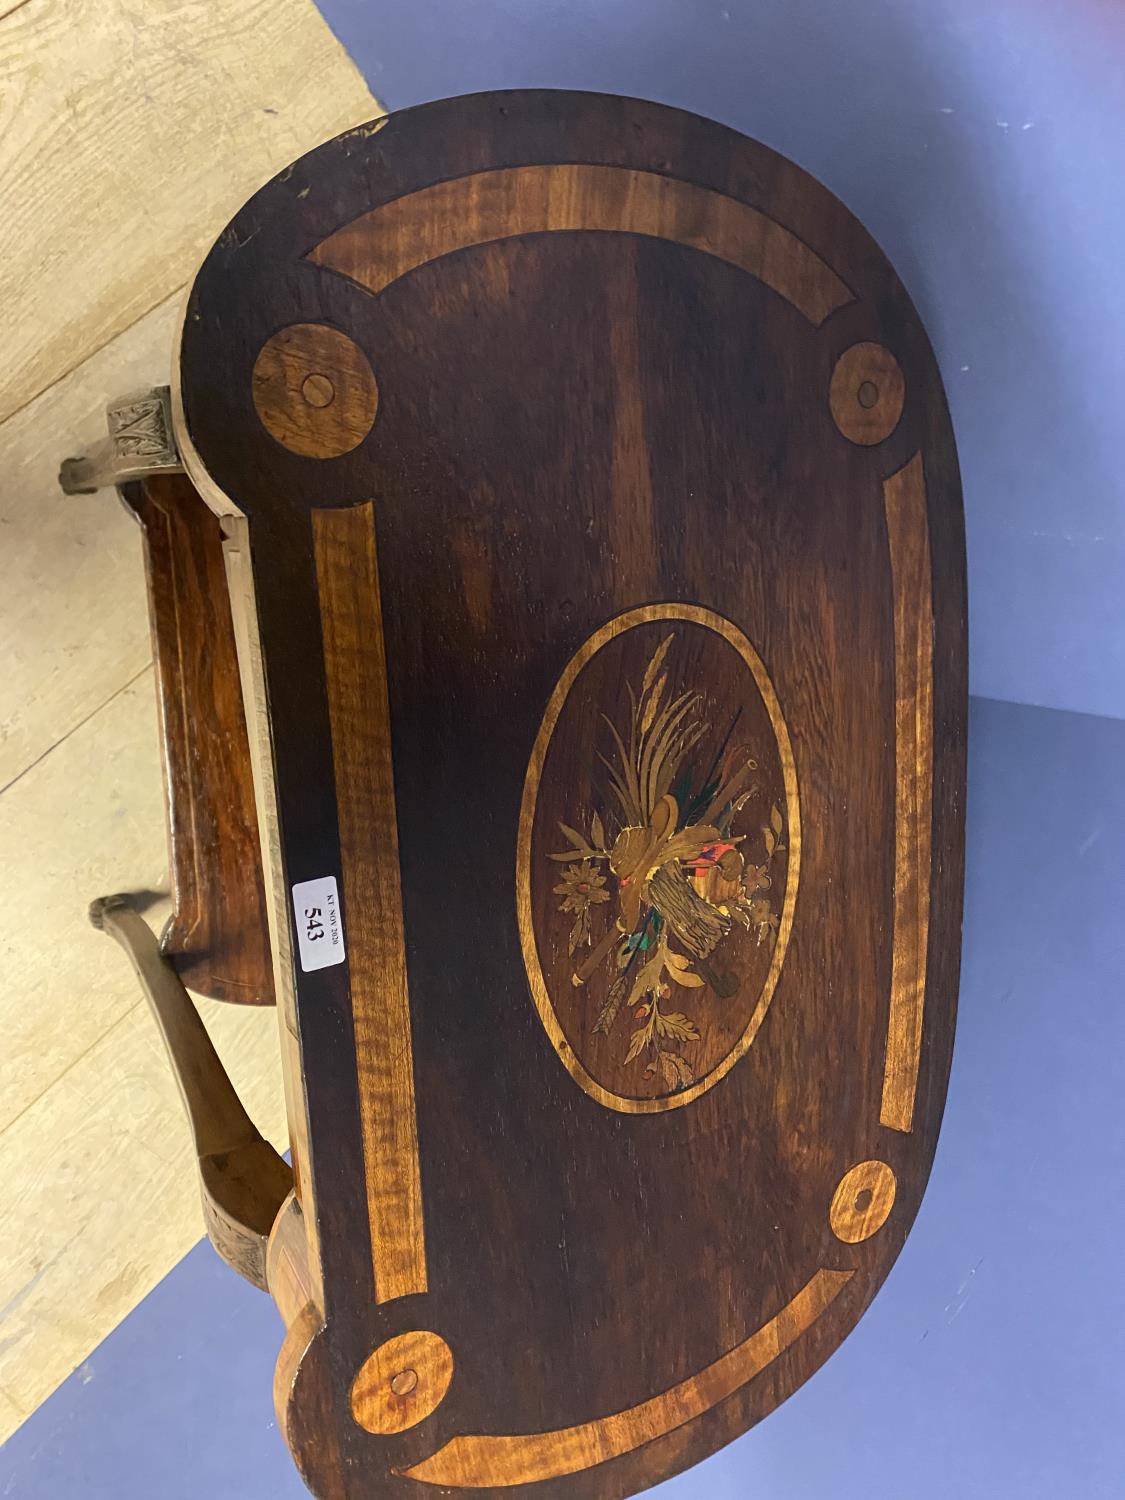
<point>298,1336</point>
<point>356,674</point>
<point>379,247</point>
<point>480,1461</point>
<point>251,669</point>
<point>288,1271</point>
<point>904,495</point>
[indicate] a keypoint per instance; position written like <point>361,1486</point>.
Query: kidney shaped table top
<point>595,547</point>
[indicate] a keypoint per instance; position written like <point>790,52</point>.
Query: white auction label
<point>320,932</point>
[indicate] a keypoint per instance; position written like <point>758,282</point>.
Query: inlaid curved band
<point>483,1462</point>
<point>379,247</point>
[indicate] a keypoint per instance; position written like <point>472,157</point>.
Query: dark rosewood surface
<point>217,936</point>
<point>487,378</point>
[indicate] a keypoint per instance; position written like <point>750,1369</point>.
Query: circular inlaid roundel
<point>867,393</point>
<point>862,1202</point>
<point>402,1382</point>
<point>314,390</point>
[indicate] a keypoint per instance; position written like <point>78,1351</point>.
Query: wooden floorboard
<point>87,820</point>
<point>73,614</point>
<point>128,134</point>
<point>94,1151</point>
<point>109,1140</point>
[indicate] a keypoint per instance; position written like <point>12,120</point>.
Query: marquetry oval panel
<point>659,855</point>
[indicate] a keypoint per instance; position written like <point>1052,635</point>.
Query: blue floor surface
<point>988,1367</point>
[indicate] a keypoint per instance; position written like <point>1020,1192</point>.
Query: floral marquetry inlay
<point>659,854</point>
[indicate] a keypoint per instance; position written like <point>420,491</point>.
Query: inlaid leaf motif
<point>677,1073</point>
<point>608,1013</point>
<point>648,979</point>
<point>576,933</point>
<point>657,662</point>
<point>576,839</point>
<point>636,1043</point>
<point>667,873</point>
<point>652,705</point>
<point>678,1026</point>
<point>680,973</point>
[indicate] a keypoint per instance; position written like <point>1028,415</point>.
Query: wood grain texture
<point>243,1181</point>
<point>52,864</point>
<point>501,1462</point>
<point>287,1262</point>
<point>381,246</point>
<point>867,393</point>
<point>217,937</point>
<point>402,1382</point>
<point>92,1115</point>
<point>299,1333</point>
<point>110,155</point>
<point>907,533</point>
<point>574,425</point>
<point>72,611</point>
<point>863,1202</point>
<point>244,616</point>
<point>12,1415</point>
<point>128,132</point>
<point>307,410</point>
<point>356,671</point>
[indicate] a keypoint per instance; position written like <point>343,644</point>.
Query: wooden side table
<point>593,532</point>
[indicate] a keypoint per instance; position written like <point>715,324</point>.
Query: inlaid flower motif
<point>674,843</point>
<point>581,887</point>
<point>763,919</point>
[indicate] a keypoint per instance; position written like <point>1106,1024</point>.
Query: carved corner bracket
<point>140,442</point>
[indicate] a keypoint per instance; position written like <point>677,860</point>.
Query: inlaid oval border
<point>645,615</point>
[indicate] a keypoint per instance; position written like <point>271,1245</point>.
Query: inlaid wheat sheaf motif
<point>685,849</point>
